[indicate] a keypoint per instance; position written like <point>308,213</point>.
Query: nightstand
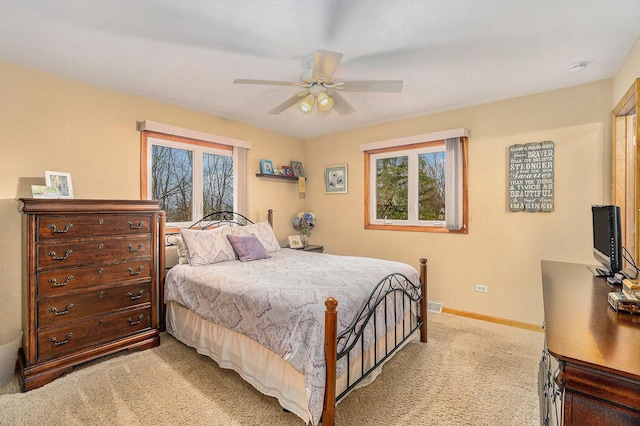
<point>311,247</point>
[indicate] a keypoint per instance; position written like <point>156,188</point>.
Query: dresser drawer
<point>59,341</point>
<point>63,280</point>
<point>59,310</point>
<point>81,226</point>
<point>90,251</point>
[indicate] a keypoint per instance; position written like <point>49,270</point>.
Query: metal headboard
<point>221,218</point>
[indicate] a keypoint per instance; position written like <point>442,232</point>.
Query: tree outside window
<point>191,180</point>
<point>408,186</point>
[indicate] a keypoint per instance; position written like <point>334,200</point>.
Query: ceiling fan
<point>321,88</point>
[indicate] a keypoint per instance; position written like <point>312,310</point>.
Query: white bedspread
<point>279,302</point>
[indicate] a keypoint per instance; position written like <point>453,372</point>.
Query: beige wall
<point>52,123</point>
<point>503,249</point>
<point>628,72</point>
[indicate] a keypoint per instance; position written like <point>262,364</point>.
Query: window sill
<point>434,229</point>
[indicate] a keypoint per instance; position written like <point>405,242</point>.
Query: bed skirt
<point>257,365</point>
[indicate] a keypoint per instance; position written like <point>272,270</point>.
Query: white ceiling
<point>450,54</point>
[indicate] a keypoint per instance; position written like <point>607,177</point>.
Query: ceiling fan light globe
<point>327,106</point>
<point>323,100</point>
<point>307,104</point>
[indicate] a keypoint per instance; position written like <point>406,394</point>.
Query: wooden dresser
<point>90,278</point>
<point>590,371</point>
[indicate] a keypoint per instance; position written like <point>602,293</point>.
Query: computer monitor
<point>607,238</point>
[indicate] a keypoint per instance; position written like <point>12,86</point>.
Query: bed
<point>305,328</point>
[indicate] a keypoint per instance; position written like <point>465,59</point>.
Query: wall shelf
<point>281,177</point>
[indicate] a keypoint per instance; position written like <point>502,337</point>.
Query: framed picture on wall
<point>61,181</point>
<point>266,167</point>
<point>335,179</point>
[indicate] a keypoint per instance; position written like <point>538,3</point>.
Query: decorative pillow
<point>207,247</point>
<point>263,231</point>
<point>247,247</point>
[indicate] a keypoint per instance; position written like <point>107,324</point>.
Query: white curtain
<point>453,189</point>
<point>240,177</point>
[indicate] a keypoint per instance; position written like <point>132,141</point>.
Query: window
<point>191,177</point>
<point>417,186</point>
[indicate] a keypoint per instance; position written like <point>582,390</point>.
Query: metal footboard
<point>392,299</point>
<point>396,293</point>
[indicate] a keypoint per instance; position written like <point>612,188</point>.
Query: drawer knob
<point>132,322</point>
<point>100,246</point>
<point>134,250</point>
<point>55,311</point>
<point>132,297</point>
<point>56,343</point>
<point>60,231</point>
<point>132,272</point>
<point>66,254</point>
<point>101,221</point>
<point>57,284</point>
<point>138,226</point>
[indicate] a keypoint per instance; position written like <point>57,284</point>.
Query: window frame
<point>198,147</point>
<point>393,147</point>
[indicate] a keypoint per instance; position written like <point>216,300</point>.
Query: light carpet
<point>470,372</point>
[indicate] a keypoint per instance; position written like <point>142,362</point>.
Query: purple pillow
<point>247,247</point>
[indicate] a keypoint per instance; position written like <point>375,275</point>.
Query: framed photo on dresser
<point>61,181</point>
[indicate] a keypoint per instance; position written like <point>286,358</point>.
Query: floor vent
<point>434,307</point>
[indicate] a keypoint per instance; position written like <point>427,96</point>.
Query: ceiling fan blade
<point>267,82</point>
<point>341,105</point>
<point>287,104</point>
<point>387,86</point>
<point>325,64</point>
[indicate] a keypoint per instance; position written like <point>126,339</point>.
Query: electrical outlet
<point>482,288</point>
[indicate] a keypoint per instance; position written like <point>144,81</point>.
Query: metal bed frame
<point>413,299</point>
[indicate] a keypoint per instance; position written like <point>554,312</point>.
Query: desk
<point>596,350</point>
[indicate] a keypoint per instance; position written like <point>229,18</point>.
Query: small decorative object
<point>335,179</point>
<point>42,191</point>
<point>276,172</point>
<point>61,181</point>
<point>304,222</point>
<point>287,171</point>
<point>298,170</point>
<point>294,242</point>
<point>266,167</point>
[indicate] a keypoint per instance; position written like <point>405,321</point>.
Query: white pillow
<point>207,247</point>
<point>177,241</point>
<point>263,231</point>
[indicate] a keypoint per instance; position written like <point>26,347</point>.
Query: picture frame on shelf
<point>295,242</point>
<point>335,179</point>
<point>298,170</point>
<point>266,167</point>
<point>287,171</point>
<point>61,181</point>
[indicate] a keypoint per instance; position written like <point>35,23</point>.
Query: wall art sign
<point>531,171</point>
